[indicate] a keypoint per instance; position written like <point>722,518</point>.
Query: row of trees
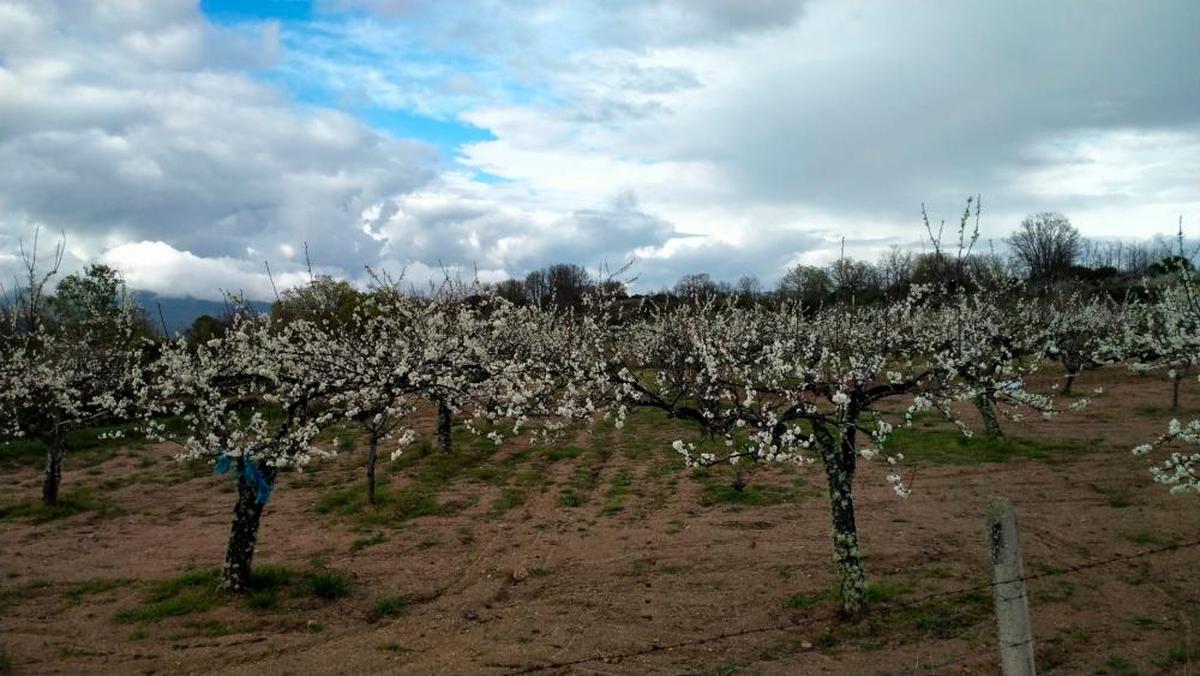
<point>1045,251</point>
<point>760,382</point>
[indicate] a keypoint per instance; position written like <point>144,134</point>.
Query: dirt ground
<point>546,557</point>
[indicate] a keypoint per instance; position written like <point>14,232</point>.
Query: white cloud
<point>754,133</point>
<point>159,267</point>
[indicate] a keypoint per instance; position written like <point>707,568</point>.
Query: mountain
<point>179,313</point>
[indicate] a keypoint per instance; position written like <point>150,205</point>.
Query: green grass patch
<point>1178,655</point>
<point>79,500</point>
<point>618,490</point>
<point>716,492</point>
<point>192,592</point>
<point>803,601</point>
<point>362,543</point>
<point>92,587</point>
<point>1118,666</point>
<point>1147,539</point>
<point>391,505</point>
<point>325,585</point>
<point>390,606</point>
<point>950,447</point>
<point>510,497</point>
<point>562,453</point>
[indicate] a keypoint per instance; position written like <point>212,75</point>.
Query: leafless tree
<point>1047,245</point>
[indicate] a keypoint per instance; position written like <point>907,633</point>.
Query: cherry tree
<point>784,384</point>
<point>1081,332</point>
<point>460,353</point>
<point>69,360</point>
<point>249,403</point>
<point>1167,337</point>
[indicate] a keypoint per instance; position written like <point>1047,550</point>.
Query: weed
<point>1119,666</point>
<point>1178,654</point>
<point>75,594</point>
<point>362,543</point>
<point>267,599</point>
<point>326,585</point>
<point>192,592</point>
<point>509,498</point>
<point>1145,623</point>
<point>465,535</point>
<point>390,606</point>
<point>802,601</point>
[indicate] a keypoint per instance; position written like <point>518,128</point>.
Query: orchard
<point>334,401</point>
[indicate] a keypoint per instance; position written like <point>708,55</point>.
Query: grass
<point>618,490</point>
<point>192,592</point>
<point>14,594</point>
<point>362,543</point>
<point>802,601</point>
<point>326,585</point>
<point>1119,666</point>
<point>718,491</point>
<point>430,475</point>
<point>85,447</point>
<point>510,497</point>
<point>1178,655</point>
<point>1147,539</point>
<point>950,447</point>
<point>391,506</point>
<point>199,590</point>
<point>390,606</point>
<point>99,586</point>
<point>76,501</point>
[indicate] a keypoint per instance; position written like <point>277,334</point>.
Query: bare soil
<point>609,550</point>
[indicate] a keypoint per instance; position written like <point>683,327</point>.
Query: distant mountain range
<point>179,313</point>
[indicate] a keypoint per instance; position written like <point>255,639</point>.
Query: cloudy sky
<point>187,143</point>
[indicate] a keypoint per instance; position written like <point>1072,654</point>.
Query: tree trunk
<point>987,410</point>
<point>1175,381</point>
<point>1066,390</point>
<point>445,418</point>
<point>55,450</point>
<point>244,535</point>
<point>840,464</point>
<point>372,454</point>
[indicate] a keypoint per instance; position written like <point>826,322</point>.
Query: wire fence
<point>833,615</point>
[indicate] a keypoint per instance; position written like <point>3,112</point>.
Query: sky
<point>189,143</point>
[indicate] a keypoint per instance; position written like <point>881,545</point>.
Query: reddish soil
<point>513,579</point>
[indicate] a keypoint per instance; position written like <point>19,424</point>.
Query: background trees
<point>1047,245</point>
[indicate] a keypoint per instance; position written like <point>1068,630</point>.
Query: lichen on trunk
<point>56,448</point>
<point>987,410</point>
<point>372,455</point>
<point>840,459</point>
<point>243,536</point>
<point>445,418</point>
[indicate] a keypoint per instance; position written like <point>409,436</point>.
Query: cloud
<point>754,134</point>
<point>127,122</point>
<point>453,226</point>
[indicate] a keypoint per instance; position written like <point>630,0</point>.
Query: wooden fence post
<point>1008,580</point>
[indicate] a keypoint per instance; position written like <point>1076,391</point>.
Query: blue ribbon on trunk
<point>251,475</point>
